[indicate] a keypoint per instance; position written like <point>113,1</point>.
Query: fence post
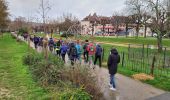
<point>143,48</point>
<point>147,49</point>
<point>153,65</point>
<point>128,50</point>
<point>103,55</point>
<point>164,58</point>
<point>123,57</point>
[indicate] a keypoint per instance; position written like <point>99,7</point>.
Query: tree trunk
<point>137,30</point>
<point>127,25</point>
<point>145,31</point>
<point>103,29</point>
<point>159,39</point>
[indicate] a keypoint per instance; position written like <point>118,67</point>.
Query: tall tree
<point>117,20</point>
<point>136,7</point>
<point>3,15</point>
<point>159,19</point>
<point>44,8</point>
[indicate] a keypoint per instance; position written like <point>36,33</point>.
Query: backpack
<point>58,44</point>
<point>99,50</point>
<point>73,51</point>
<point>51,42</point>
<point>91,49</point>
<point>36,39</point>
<point>78,49</point>
<point>64,50</point>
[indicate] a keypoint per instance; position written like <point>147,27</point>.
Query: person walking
<point>98,55</point>
<point>113,61</point>
<point>85,51</point>
<point>58,45</point>
<point>72,53</point>
<point>36,41</point>
<point>51,44</point>
<point>63,51</point>
<point>79,51</point>
<point>91,51</point>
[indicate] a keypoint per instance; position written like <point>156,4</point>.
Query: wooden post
<point>128,50</point>
<point>103,55</point>
<point>143,50</point>
<point>153,65</point>
<point>147,49</point>
<point>164,58</point>
<point>123,57</point>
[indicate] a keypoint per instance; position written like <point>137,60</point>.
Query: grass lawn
<point>15,79</point>
<point>130,40</point>
<point>158,82</point>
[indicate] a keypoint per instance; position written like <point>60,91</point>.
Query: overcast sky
<point>79,8</point>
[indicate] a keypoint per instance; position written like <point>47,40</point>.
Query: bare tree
<point>117,20</point>
<point>144,21</point>
<point>44,8</point>
<point>159,19</point>
<point>3,15</point>
<point>67,20</point>
<point>104,21</point>
<point>136,7</point>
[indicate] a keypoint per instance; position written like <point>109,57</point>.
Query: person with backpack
<point>91,51</point>
<point>79,50</point>
<point>113,61</point>
<point>72,53</point>
<point>36,41</point>
<point>86,53</point>
<point>58,45</point>
<point>98,55</point>
<point>51,44</point>
<point>63,50</point>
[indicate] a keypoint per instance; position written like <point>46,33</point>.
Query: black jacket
<point>113,61</point>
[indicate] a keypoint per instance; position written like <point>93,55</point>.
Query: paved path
<point>127,88</point>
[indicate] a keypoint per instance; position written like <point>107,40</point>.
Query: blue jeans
<point>112,81</point>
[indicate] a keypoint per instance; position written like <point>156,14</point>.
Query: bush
<point>83,76</point>
<point>77,94</point>
<point>32,58</point>
<point>44,71</point>
<point>67,35</point>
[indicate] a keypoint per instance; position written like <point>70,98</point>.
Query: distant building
<point>100,25</point>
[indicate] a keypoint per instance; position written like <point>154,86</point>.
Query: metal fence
<point>146,62</point>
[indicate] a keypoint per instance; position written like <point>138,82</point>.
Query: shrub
<point>77,94</point>
<point>67,35</point>
<point>44,71</point>
<point>32,58</point>
<point>83,76</point>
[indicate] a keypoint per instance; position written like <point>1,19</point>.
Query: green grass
<point>14,76</point>
<point>130,40</point>
<point>158,82</point>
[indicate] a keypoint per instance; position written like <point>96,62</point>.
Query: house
<point>94,24</point>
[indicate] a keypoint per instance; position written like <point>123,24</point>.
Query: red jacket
<point>91,49</point>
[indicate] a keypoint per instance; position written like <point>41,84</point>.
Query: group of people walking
<point>88,50</point>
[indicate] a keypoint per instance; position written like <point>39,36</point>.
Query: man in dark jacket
<point>112,64</point>
<point>98,55</point>
<point>86,53</point>
<point>36,41</point>
<point>72,53</point>
<point>63,50</point>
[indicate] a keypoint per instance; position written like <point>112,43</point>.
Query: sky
<point>79,8</point>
